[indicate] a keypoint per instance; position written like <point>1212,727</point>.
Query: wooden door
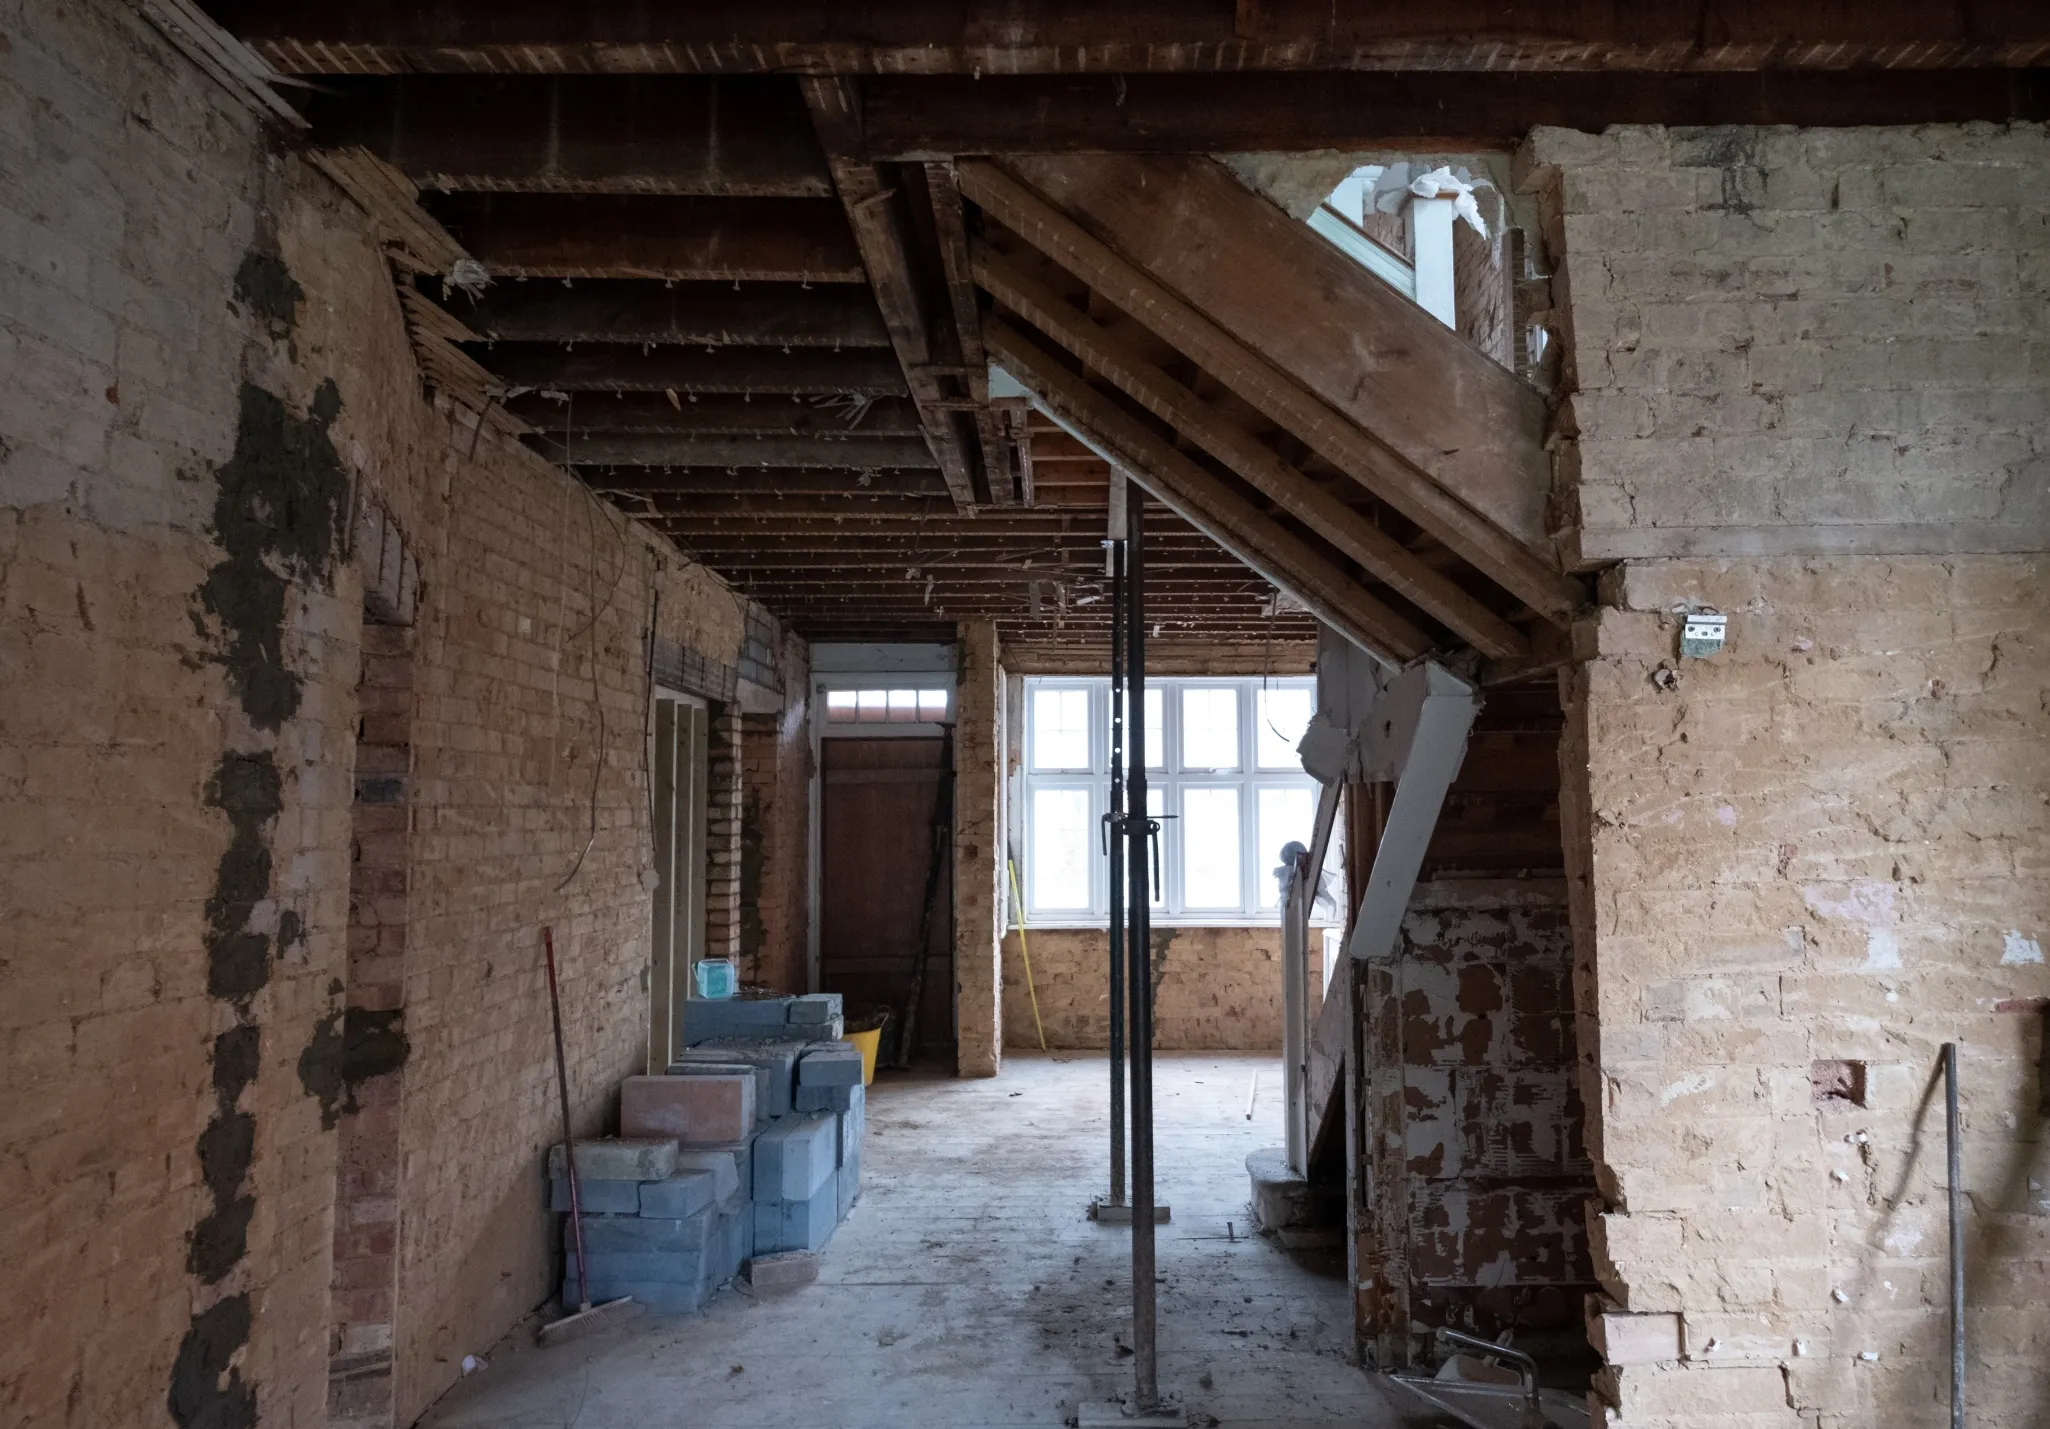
<point>876,819</point>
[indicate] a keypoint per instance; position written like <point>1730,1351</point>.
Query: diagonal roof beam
<point>874,212</point>
<point>1103,352</point>
<point>1204,501</point>
<point>1274,393</point>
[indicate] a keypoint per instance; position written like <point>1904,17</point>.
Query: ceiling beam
<point>638,310</point>
<point>712,412</point>
<point>998,36</point>
<point>780,482</point>
<point>1206,502</point>
<point>645,449</point>
<point>774,240</point>
<point>879,216</point>
<point>610,367</point>
<point>922,116</point>
<point>1345,527</point>
<point>1274,393</point>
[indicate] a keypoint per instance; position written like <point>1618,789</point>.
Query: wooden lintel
<point>1103,352</point>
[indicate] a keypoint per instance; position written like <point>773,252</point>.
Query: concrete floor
<point>969,1290</point>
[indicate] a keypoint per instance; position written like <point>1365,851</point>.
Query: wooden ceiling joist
<point>653,449</point>
<point>1350,530</point>
<point>657,134</point>
<point>1276,394</point>
<point>707,314</point>
<point>1206,502</point>
<point>766,240</point>
<point>1195,36</point>
<point>746,482</point>
<point>718,412</point>
<point>611,367</point>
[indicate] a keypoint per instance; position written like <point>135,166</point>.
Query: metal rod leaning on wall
<point>1954,1152</point>
<point>1145,1368</point>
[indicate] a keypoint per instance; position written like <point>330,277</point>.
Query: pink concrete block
<point>704,1110</point>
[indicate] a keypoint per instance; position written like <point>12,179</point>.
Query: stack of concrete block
<point>665,1226</point>
<point>749,1145</point>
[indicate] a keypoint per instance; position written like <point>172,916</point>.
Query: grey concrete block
<point>778,1057</point>
<point>1283,1200</point>
<point>784,1270</point>
<point>815,1007</point>
<point>706,1062</point>
<point>608,1267</point>
<point>685,1192</point>
<point>833,1099</point>
<point>706,1018</point>
<point>795,1157</point>
<point>599,1198</point>
<point>719,1161</point>
<point>797,1225</point>
<point>853,1124</point>
<point>836,1066</point>
<point>742,1154</point>
<point>684,1235</point>
<point>618,1159</point>
<point>847,1184</point>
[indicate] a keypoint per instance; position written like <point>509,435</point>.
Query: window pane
<point>1060,729</point>
<point>1285,815</point>
<point>874,705</point>
<point>1210,729</point>
<point>1210,848</point>
<point>903,707</point>
<point>839,706</point>
<point>1156,725</point>
<point>932,706</point>
<point>1061,843</point>
<point>1280,716</point>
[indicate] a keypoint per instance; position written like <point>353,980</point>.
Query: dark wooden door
<point>876,815</point>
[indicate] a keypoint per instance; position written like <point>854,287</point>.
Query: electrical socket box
<point>1701,635</point>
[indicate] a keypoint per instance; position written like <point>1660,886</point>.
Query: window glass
<point>1060,728</point>
<point>874,706</point>
<point>1061,842</point>
<point>840,707</point>
<point>1210,727</point>
<point>903,707</point>
<point>932,706</point>
<point>1280,715</point>
<point>1210,848</point>
<point>1156,725</point>
<point>1285,814</point>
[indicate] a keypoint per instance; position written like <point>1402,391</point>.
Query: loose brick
<point>695,1109</point>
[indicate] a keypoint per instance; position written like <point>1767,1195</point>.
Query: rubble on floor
<point>747,1148</point>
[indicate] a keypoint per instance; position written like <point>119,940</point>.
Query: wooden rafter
<point>1276,394</point>
<point>1206,502</point>
<point>1104,353</point>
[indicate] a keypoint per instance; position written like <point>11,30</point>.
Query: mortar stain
<point>199,1399</point>
<point>278,518</point>
<point>1158,941</point>
<point>247,788</point>
<point>267,288</point>
<point>367,1043</point>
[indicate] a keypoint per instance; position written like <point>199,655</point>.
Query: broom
<point>588,1318</point>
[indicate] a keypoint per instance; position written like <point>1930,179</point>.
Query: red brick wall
<point>775,833</point>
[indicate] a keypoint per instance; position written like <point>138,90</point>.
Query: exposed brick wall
<point>722,834</point>
<point>775,832</point>
<point>1819,847</point>
<point>202,366</point>
<point>978,853</point>
<point>1214,989</point>
<point>1844,327</point>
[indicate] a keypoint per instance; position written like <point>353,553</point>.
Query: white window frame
<point>1169,782</point>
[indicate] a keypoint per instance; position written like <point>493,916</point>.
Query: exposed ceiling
<point>752,307</point>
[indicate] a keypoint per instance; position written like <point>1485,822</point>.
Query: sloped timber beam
<point>873,214</point>
<point>1280,397</point>
<point>1204,501</point>
<point>1103,352</point>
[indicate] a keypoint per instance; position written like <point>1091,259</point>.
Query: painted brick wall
<point>202,368</point>
<point>1802,865</point>
<point>1214,989</point>
<point>978,853</point>
<point>775,832</point>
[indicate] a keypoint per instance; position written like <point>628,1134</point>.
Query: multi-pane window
<point>886,706</point>
<point>1223,779</point>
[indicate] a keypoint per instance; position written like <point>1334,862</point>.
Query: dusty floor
<point>969,1290</point>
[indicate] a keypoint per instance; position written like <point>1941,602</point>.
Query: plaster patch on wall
<point>2019,951</point>
<point>1870,903</point>
<point>1686,1087</point>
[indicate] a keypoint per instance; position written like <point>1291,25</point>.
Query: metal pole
<point>1114,824</point>
<point>1145,1370</point>
<point>1957,1238</point>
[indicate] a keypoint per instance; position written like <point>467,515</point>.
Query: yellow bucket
<point>868,1042</point>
